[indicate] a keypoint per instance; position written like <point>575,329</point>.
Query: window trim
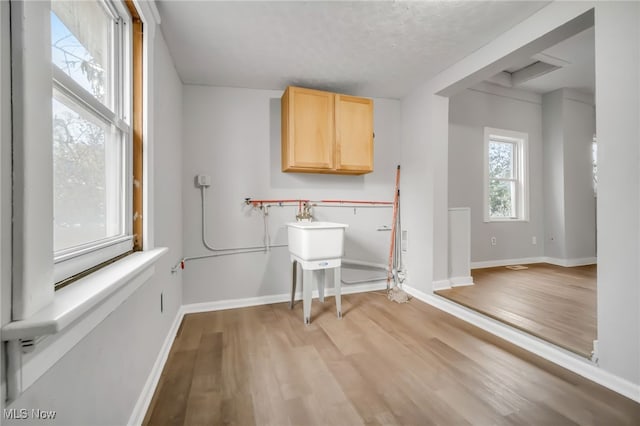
<point>137,109</point>
<point>521,163</point>
<point>76,261</point>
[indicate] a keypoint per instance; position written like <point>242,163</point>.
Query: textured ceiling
<point>377,49</point>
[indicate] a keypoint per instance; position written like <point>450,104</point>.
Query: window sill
<point>505,220</point>
<point>75,301</point>
<point>75,311</point>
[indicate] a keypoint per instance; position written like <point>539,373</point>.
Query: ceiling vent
<point>530,69</point>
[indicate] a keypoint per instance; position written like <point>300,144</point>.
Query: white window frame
<point>521,172</point>
<point>72,261</point>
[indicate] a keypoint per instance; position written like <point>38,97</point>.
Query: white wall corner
<point>577,96</point>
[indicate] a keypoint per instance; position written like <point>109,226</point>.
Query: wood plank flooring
<point>383,363</point>
<point>551,302</point>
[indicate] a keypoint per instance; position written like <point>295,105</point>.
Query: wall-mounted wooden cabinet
<point>324,132</point>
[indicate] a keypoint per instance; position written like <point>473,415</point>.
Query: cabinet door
<point>354,134</point>
<point>310,134</point>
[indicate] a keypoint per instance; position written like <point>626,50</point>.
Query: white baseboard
<point>568,263</point>
<point>506,262</point>
<point>142,405</point>
<point>539,347</point>
<point>441,285</point>
<point>540,259</point>
<point>461,281</point>
<point>220,305</point>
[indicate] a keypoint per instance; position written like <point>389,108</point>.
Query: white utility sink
<point>315,246</point>
<point>310,241</point>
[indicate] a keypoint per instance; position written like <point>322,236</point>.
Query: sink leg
<point>321,283</point>
<point>307,288</point>
<point>294,278</point>
<point>337,283</point>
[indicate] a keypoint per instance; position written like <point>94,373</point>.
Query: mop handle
<point>393,225</point>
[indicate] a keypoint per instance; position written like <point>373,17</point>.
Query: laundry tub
<point>315,246</point>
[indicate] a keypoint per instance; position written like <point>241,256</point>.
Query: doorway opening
<point>531,204</point>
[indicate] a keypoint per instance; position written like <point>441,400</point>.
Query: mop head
<point>396,294</point>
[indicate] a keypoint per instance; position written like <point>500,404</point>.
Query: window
<point>506,186</point>
<point>91,135</point>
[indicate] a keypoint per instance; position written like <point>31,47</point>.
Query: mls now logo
<point>16,413</point>
<point>23,414</point>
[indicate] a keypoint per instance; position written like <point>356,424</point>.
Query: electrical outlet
<point>534,240</point>
<point>494,241</point>
<point>405,240</point>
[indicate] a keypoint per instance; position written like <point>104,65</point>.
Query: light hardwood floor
<point>383,363</point>
<point>551,302</point>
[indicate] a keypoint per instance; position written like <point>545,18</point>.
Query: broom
<point>395,293</point>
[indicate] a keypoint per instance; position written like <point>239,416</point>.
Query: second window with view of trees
<point>505,193</point>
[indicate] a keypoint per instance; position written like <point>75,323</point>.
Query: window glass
<point>501,159</point>
<point>502,198</point>
<point>502,179</point>
<point>87,180</point>
<point>81,45</point>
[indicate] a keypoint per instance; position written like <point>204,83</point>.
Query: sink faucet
<point>305,214</point>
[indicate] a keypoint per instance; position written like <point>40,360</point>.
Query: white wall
<point>234,136</point>
<point>570,207</point>
<point>5,179</point>
<point>424,192</point>
<point>99,380</point>
<point>618,114</point>
<point>554,187</point>
<point>580,203</point>
<point>469,112</point>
